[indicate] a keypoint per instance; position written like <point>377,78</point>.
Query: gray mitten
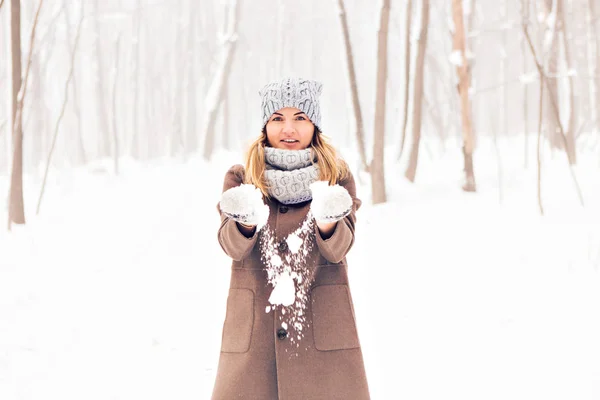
<point>245,204</point>
<point>329,203</point>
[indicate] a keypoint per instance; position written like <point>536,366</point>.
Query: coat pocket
<point>333,322</point>
<point>239,321</point>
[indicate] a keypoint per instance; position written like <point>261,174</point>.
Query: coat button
<point>281,333</point>
<point>283,246</point>
<point>283,209</point>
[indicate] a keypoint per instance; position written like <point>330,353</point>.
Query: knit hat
<point>299,93</point>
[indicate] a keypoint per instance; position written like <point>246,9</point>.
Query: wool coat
<point>259,359</point>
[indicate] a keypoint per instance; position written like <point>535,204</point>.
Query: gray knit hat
<point>299,93</point>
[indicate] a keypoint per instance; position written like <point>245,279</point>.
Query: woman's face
<point>289,128</point>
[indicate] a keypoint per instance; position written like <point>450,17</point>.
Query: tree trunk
<point>504,70</point>
<point>551,118</point>
<point>539,147</point>
<point>38,113</point>
<point>596,21</point>
<point>16,210</point>
<point>470,47</point>
<point>525,15</point>
<point>360,135</point>
<point>135,79</point>
<point>99,79</point>
<point>406,75</point>
<point>49,41</point>
<point>80,145</point>
<point>209,29</point>
<point>225,136</point>
<point>592,40</point>
<point>217,89</point>
<point>38,110</point>
<point>411,170</point>
<point>377,167</point>
<point>280,43</point>
<point>463,88</point>
<point>176,144</point>
<point>570,133</point>
<point>114,106</point>
<point>191,142</point>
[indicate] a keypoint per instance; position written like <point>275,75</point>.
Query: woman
<point>287,221</point>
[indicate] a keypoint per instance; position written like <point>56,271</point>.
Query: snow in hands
<point>329,203</point>
<point>290,275</point>
<point>245,204</point>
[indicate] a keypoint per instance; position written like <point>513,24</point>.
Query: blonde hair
<point>332,168</point>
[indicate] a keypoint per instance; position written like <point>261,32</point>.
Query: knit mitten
<point>245,204</point>
<point>329,203</point>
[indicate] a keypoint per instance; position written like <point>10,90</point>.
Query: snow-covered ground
<point>117,289</point>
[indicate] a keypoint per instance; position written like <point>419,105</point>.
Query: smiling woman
<point>287,222</point>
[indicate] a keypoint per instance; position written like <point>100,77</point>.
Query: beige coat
<point>258,359</point>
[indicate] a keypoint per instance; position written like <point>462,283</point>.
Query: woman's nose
<point>289,126</point>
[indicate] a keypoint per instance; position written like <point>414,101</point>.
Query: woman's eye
<point>276,119</point>
<point>301,118</point>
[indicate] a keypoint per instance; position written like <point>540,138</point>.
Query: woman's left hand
<point>329,203</point>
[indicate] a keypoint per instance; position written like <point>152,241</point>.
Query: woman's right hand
<point>245,205</point>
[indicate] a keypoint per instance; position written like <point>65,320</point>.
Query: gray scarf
<point>289,174</point>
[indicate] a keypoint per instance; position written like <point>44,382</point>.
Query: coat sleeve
<point>235,244</point>
<point>335,248</point>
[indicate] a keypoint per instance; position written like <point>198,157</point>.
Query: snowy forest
<point>472,128</point>
<point>95,81</point>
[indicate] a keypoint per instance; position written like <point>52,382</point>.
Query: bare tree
<point>225,137</point>
<point>281,39</point>
<point>570,134</point>
<point>539,150</point>
<point>595,22</point>
<point>114,105</point>
<point>135,79</point>
<point>62,111</point>
<point>504,68</point>
<point>544,81</point>
<point>464,84</point>
<point>99,79</point>
<point>176,143</point>
<point>360,136</point>
<point>407,60</point>
<point>411,170</point>
<point>40,64</point>
<point>16,209</point>
<point>377,164</point>
<point>191,138</point>
<point>36,111</point>
<point>525,17</point>
<point>81,147</point>
<point>224,106</point>
<point>217,88</point>
<point>550,55</point>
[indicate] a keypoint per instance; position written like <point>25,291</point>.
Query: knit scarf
<point>289,174</point>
